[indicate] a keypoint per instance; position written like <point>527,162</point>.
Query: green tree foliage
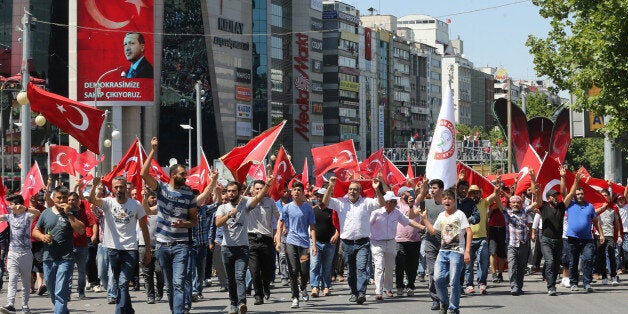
<point>537,106</point>
<point>587,152</point>
<point>586,47</point>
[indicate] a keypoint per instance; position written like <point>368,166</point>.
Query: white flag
<point>441,161</point>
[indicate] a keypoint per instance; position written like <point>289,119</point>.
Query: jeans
<point>261,262</point>
<point>479,251</point>
<point>219,266</point>
<point>104,272</point>
<point>236,260</point>
<point>174,262</point>
<point>552,249</point>
<point>448,266</point>
<point>283,260</point>
<point>122,264</point>
<point>19,264</point>
<point>517,265</point>
<point>600,258</point>
<point>384,252</point>
<point>4,248</point>
<point>356,256</point>
<point>92,268</point>
<point>422,267</point>
<point>431,254</point>
<point>57,275</point>
<point>298,266</point>
<point>188,280</point>
<point>151,272</point>
<point>80,259</point>
<point>578,247</point>
<point>624,255</point>
<point>199,275</point>
<point>321,265</point>
<point>406,262</point>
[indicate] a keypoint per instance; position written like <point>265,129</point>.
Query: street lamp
<point>2,105</point>
<point>189,128</point>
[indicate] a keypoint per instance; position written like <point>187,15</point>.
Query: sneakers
<point>111,300</point>
<point>88,287</point>
<point>551,292</point>
<point>314,292</point>
<point>574,288</point>
<point>7,309</point>
<point>98,288</point>
<point>42,290</point>
<point>422,278</point>
<point>494,277</point>
<point>304,296</point>
<point>453,312</point>
<point>410,292</point>
<point>483,289</point>
<point>295,303</point>
<point>604,281</point>
<point>150,301</point>
<point>565,282</point>
<point>500,277</point>
<point>400,292</point>
<point>242,308</point>
<point>378,297</point>
<point>361,299</point>
<point>469,290</point>
<point>82,296</point>
<point>514,292</point>
<point>615,281</point>
<point>353,298</point>
<point>435,306</point>
<point>233,309</point>
<point>258,300</point>
<point>588,288</point>
<point>26,309</point>
<point>285,282</point>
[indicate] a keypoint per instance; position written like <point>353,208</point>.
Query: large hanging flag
<point>80,121</point>
<point>473,177</point>
<point>392,175</point>
<point>548,178</point>
<point>240,159</point>
<point>62,159</point>
<point>33,183</point>
<point>85,162</point>
<point>283,172</point>
<point>199,176</point>
<point>441,160</point>
<point>561,135</point>
<point>531,161</point>
<point>128,167</point>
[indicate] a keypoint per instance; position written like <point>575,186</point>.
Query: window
<point>348,77</point>
<point>346,27</point>
<point>276,80</point>
<point>347,62</point>
<point>347,94</point>
<point>276,48</point>
<point>276,15</point>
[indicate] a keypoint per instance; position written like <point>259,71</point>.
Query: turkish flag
<point>85,162</point>
<point>410,172</point>
<point>371,166</point>
<point>561,135</point>
<point>531,161</point>
<point>32,184</point>
<point>85,180</point>
<point>540,132</point>
<point>257,172</point>
<point>305,174</point>
<point>240,159</point>
<point>3,206</point>
<point>585,172</point>
<point>392,175</point>
<point>473,177</point>
<point>198,177</point>
<point>80,121</point>
<point>336,156</point>
<point>128,167</point>
<point>283,171</point>
<point>62,159</point>
<point>519,129</point>
<point>548,178</point>
<point>601,184</point>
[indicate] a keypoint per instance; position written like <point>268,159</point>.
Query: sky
<point>492,37</point>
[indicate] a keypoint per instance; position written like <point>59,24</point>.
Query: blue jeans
<point>422,267</point>
<point>57,275</point>
<point>174,263</point>
<point>356,256</point>
<point>80,259</point>
<point>321,264</point>
<point>122,265</point>
<point>479,251</point>
<point>104,272</point>
<point>448,266</point>
<point>199,276</point>
<point>189,278</point>
<point>236,261</point>
<point>586,248</point>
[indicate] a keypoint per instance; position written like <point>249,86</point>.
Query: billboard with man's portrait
<point>115,44</point>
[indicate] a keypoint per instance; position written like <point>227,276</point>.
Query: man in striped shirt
<point>176,214</point>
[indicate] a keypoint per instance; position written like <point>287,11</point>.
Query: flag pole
<point>25,154</point>
<point>509,124</point>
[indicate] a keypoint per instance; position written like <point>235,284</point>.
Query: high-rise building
<point>458,69</point>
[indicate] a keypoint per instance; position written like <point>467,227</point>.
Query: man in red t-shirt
<point>81,241</point>
<point>497,239</point>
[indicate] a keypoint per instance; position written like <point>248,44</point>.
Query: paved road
<point>605,299</point>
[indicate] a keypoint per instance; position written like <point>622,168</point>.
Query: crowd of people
<point>176,237</point>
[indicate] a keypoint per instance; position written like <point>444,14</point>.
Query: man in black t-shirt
<point>327,234</point>
<point>552,215</point>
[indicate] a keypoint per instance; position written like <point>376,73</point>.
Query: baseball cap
<point>389,196</point>
<point>405,189</point>
<point>321,191</point>
<point>551,193</point>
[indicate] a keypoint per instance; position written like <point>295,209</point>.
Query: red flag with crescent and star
<point>62,159</point>
<point>33,183</point>
<point>80,121</point>
<point>335,156</point>
<point>85,162</point>
<point>548,178</point>
<point>129,166</point>
<point>240,158</point>
<point>371,166</point>
<point>198,177</point>
<point>282,172</point>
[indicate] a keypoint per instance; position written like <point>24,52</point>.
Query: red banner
<point>368,51</point>
<point>115,37</point>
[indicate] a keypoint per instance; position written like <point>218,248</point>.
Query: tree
<point>585,53</point>
<point>537,106</point>
<point>587,152</point>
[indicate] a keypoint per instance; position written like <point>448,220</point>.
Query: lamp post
<point>25,154</point>
<point>96,94</point>
<point>199,125</point>
<point>189,128</point>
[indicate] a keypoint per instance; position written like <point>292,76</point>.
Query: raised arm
<point>497,188</point>
<point>567,199</point>
<point>201,198</point>
<point>94,198</point>
<point>330,191</point>
<point>378,192</point>
<point>260,196</point>
<point>538,201</point>
<point>150,181</point>
<point>562,170</point>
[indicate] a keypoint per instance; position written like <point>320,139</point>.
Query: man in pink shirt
<point>408,241</point>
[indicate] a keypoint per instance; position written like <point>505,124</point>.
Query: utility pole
<point>25,154</point>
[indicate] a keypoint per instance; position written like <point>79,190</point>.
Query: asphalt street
<point>605,299</point>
